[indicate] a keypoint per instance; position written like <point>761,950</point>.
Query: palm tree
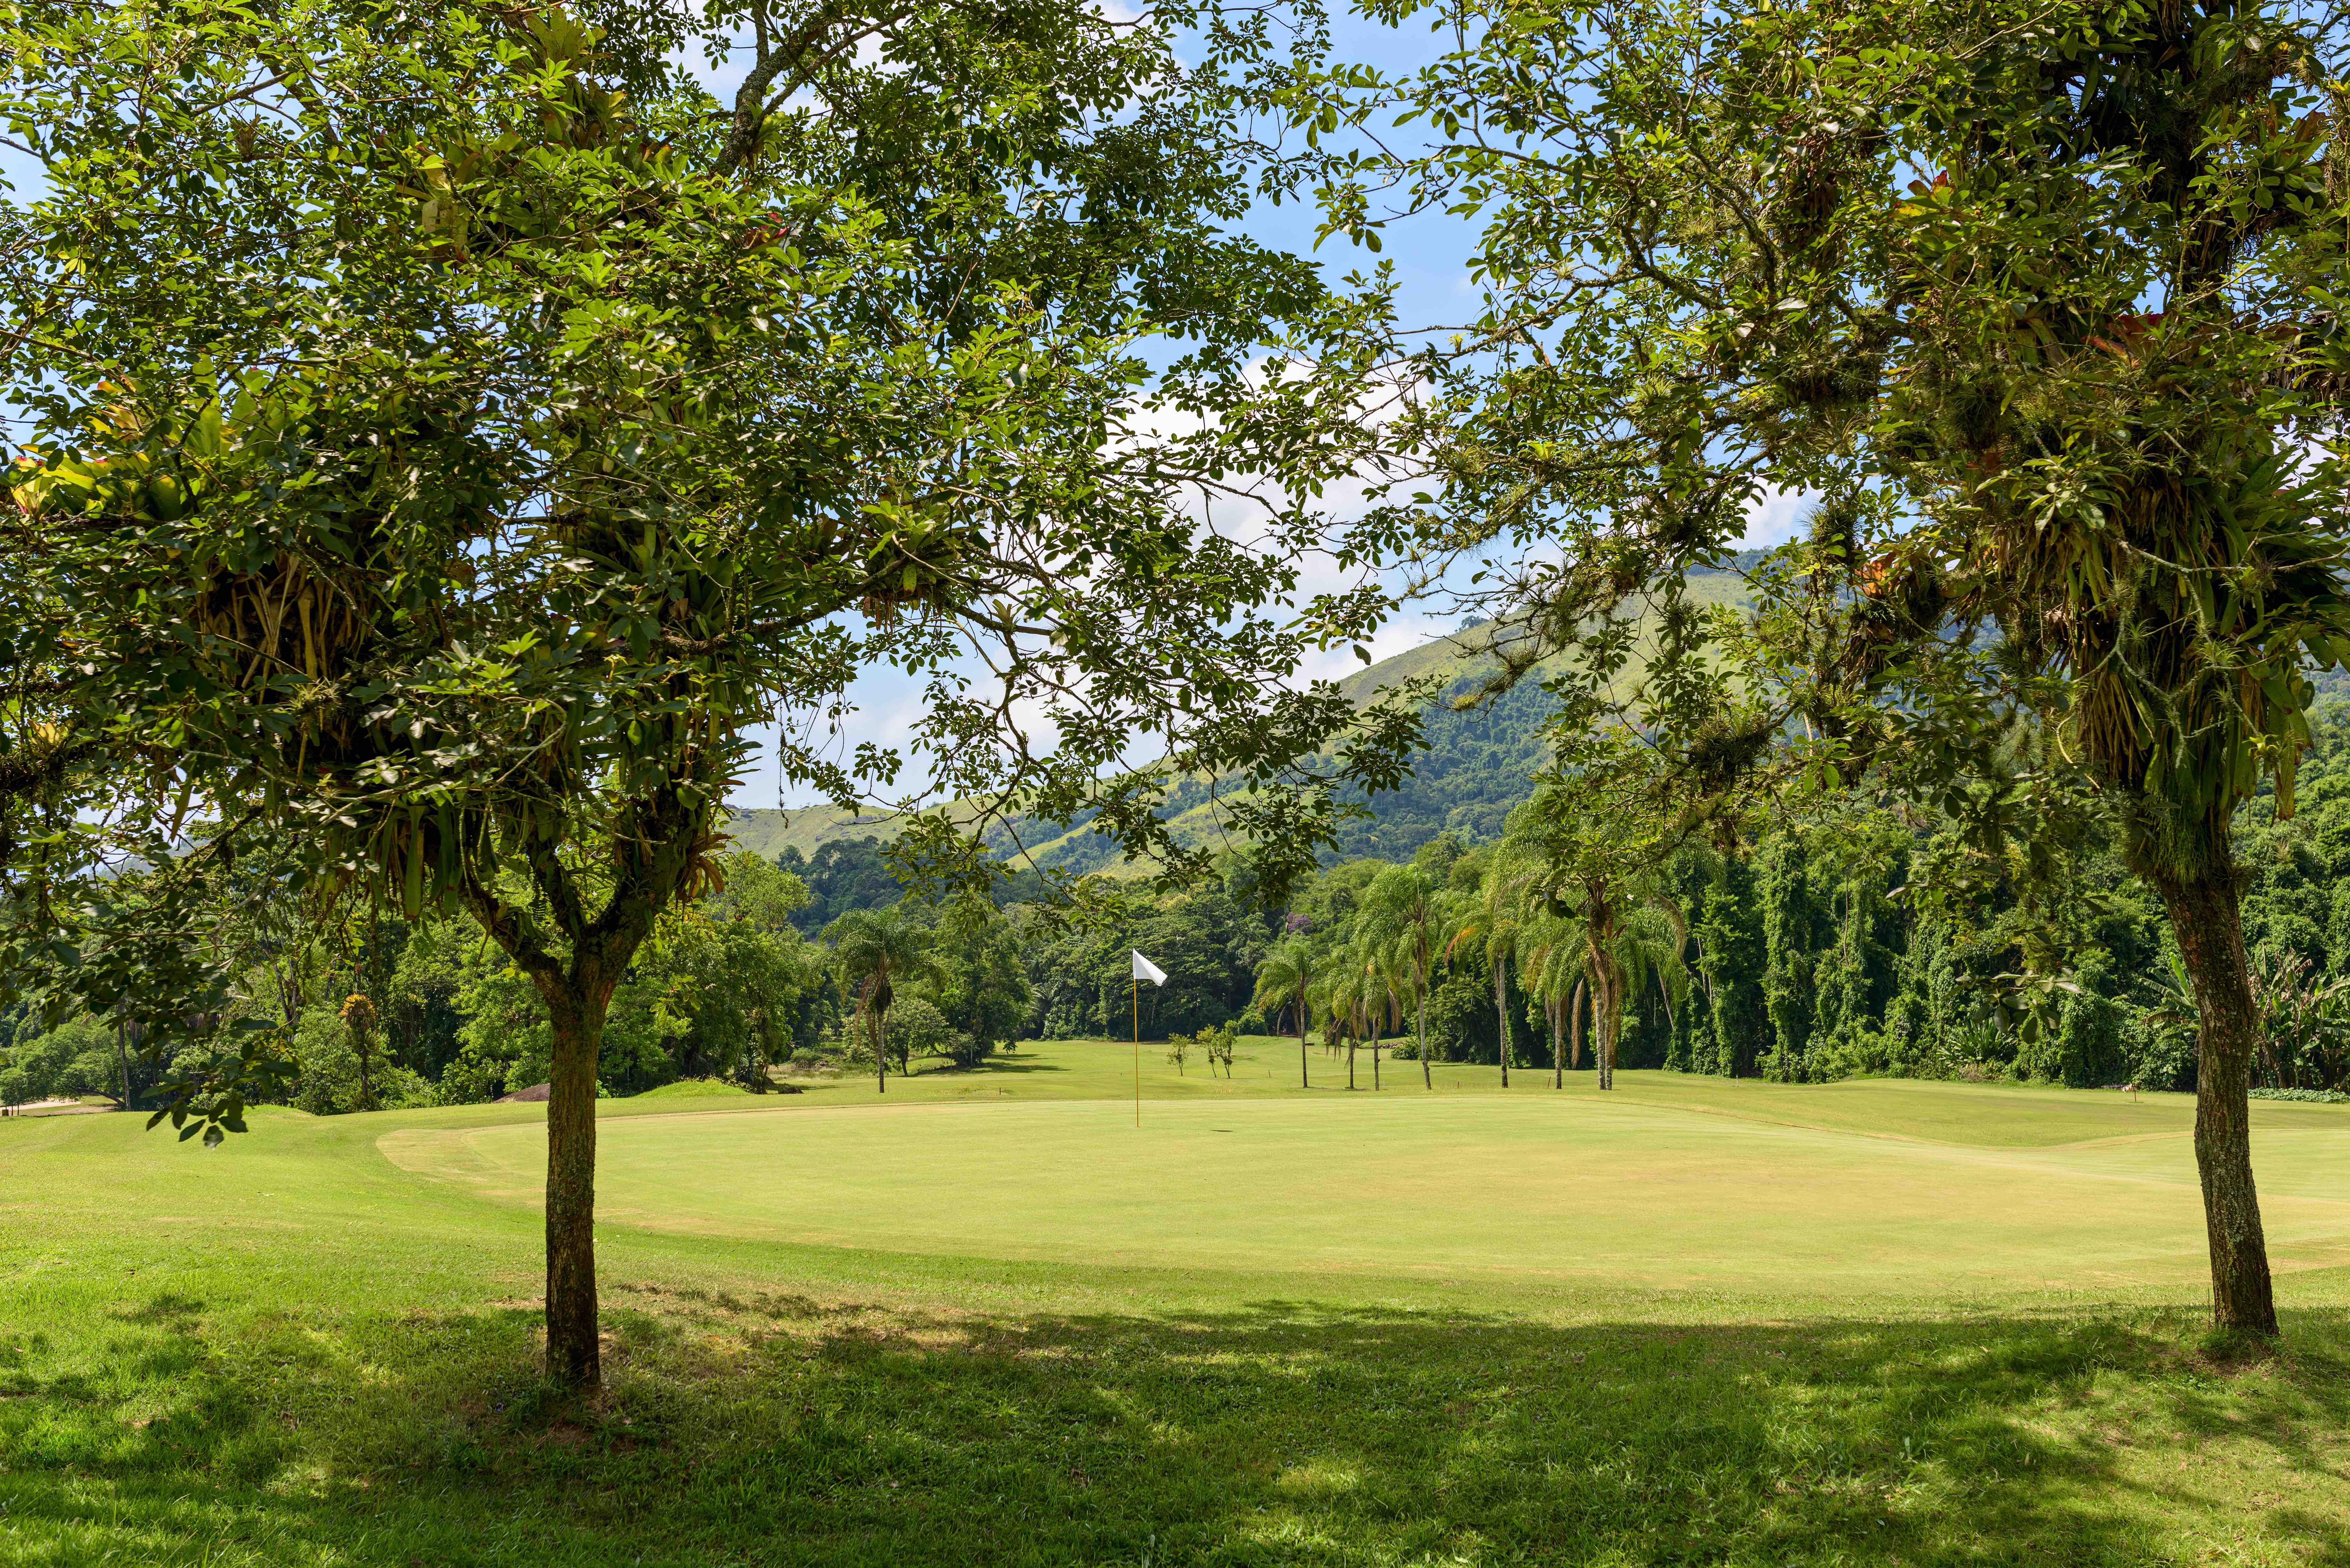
<point>874,949</point>
<point>1283,979</point>
<point>1579,852</point>
<point>1496,923</point>
<point>1342,985</point>
<point>1407,913</point>
<point>1648,940</point>
<point>1381,1006</point>
<point>1321,996</point>
<point>1575,1011</point>
<point>1552,968</point>
<point>1629,933</point>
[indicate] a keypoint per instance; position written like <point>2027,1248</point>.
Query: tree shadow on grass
<point>994,1066</point>
<point>751,1429</point>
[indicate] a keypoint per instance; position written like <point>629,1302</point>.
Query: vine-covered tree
<point>2038,300</point>
<point>455,439</point>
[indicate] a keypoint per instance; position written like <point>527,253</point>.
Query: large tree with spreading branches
<point>457,434</point>
<point>2036,301</point>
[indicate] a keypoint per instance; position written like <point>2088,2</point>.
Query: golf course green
<point>1624,1194</point>
<point>987,1318</point>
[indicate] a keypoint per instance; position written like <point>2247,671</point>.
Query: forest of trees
<point>1808,956</point>
<point>1810,953</point>
<point>388,1012</point>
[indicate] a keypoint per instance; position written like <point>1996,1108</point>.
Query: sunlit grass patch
<point>301,1351</point>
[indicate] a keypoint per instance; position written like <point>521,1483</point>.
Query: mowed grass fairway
<point>1608,1197</point>
<point>987,1320</point>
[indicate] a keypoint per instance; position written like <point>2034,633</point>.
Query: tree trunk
<point>1557,1045</point>
<point>1607,1012</point>
<point>873,1026</point>
<point>2204,915</point>
<point>1305,1072</point>
<point>122,1061</point>
<point>1502,1011</point>
<point>577,994</point>
<point>578,1022</point>
<point>1574,1008</point>
<point>1613,1031</point>
<point>1419,1035</point>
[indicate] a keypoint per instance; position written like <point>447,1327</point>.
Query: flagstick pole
<point>1134,995</point>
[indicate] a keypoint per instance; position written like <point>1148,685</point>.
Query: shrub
<point>480,1073</point>
<point>915,1027</point>
<point>329,1069</point>
<point>2158,1051</point>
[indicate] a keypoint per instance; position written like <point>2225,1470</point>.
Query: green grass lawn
<point>988,1320</point>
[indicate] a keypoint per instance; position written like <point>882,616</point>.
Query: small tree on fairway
<point>1218,1043</point>
<point>357,1015</point>
<point>985,991</point>
<point>875,949</point>
<point>916,1027</point>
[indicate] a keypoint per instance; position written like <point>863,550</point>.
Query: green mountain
<point>1478,765</point>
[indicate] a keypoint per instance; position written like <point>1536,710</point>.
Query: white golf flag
<point>1145,969</point>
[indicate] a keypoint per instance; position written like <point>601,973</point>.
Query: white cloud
<point>1776,516</point>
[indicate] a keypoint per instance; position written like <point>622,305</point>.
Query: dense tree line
<point>383,1012</point>
<point>1207,942</point>
<point>1815,950</point>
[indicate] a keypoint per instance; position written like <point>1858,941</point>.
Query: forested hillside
<point>1479,763</point>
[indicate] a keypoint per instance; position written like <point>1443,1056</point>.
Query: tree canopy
<point>2035,302</point>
